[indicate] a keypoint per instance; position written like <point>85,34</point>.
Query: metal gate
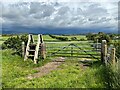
<point>80,49</point>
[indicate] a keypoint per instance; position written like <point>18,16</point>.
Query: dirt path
<point>47,68</point>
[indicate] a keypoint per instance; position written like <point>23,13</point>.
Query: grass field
<point>71,74</point>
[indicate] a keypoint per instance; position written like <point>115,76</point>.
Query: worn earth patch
<point>46,69</point>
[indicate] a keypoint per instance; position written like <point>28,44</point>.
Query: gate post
<point>104,51</point>
<point>113,56</point>
<point>97,45</point>
<point>42,48</point>
<point>23,49</point>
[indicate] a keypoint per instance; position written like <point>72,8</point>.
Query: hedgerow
<point>15,43</point>
<point>59,38</point>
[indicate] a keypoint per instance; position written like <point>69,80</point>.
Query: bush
<point>100,36</point>
<point>117,46</point>
<point>82,39</point>
<point>73,38</point>
<point>15,43</point>
<point>59,38</point>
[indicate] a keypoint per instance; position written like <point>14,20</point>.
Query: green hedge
<point>15,43</point>
<point>59,38</point>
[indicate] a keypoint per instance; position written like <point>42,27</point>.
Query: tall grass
<point>14,69</point>
<point>112,78</point>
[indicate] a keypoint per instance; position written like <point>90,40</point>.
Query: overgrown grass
<point>69,75</point>
<point>14,68</point>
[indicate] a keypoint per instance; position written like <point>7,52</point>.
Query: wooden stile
<point>40,46</point>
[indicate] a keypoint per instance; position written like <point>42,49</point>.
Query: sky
<point>27,15</point>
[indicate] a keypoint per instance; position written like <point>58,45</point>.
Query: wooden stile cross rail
<point>34,50</point>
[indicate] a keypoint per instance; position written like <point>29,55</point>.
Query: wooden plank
<point>37,50</point>
<point>27,48</point>
<point>31,50</point>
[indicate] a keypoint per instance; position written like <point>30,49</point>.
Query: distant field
<point>77,36</point>
<point>46,38</point>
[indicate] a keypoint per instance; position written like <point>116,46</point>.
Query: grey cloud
<point>52,14</point>
<point>41,9</point>
<point>95,10</point>
<point>80,11</point>
<point>63,10</point>
<point>1,9</point>
<point>14,12</point>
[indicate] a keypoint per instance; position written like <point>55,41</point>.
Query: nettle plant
<point>15,43</point>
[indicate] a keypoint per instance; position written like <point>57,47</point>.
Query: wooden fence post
<point>97,45</point>
<point>113,56</point>
<point>105,54</point>
<point>42,48</point>
<point>23,49</point>
<point>104,51</point>
<point>43,51</point>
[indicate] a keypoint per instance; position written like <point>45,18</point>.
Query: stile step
<point>31,50</point>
